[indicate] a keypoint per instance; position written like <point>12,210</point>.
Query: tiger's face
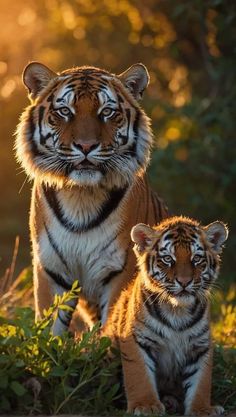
<point>179,258</point>
<point>84,126</point>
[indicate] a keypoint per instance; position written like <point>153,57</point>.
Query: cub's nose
<point>184,282</point>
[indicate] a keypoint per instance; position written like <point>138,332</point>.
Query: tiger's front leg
<point>45,289</point>
<point>197,385</point>
<point>142,395</point>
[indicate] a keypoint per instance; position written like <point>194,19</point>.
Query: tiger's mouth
<point>183,292</point>
<point>86,166</point>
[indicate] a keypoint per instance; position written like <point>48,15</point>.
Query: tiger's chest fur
<point>70,242</point>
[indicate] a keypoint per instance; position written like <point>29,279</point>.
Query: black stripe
<point>65,321</point>
<point>192,309</point>
<point>152,329</point>
<point>204,330</point>
<point>33,146</point>
<point>188,374</point>
<point>104,248</point>
<point>59,280</point>
<point>136,123</point>
<point>186,387</point>
<point>112,202</point>
<point>110,276</point>
<point>113,274</point>
<point>41,111</point>
<point>145,347</point>
<point>125,357</point>
<point>169,236</point>
<point>117,317</point>
<point>147,262</point>
<point>55,247</point>
<point>155,311</point>
<point>148,339</point>
<point>196,356</point>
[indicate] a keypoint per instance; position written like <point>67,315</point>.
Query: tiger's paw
<point>214,410</point>
<point>144,408</point>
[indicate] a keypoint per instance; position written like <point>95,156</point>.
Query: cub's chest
<point>173,349</point>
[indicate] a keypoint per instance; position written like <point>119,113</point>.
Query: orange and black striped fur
<point>161,321</point>
<point>86,143</point>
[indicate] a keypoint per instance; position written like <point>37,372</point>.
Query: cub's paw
<point>214,410</point>
<point>145,408</point>
<point>171,404</point>
<point>217,410</point>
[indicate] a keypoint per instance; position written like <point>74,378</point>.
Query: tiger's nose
<point>184,282</point>
<point>86,147</point>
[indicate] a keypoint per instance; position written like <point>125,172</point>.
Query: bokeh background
<point>189,48</point>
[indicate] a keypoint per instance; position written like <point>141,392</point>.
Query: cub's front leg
<point>197,384</point>
<point>140,387</point>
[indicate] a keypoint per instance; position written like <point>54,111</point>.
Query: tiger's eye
<point>107,112</point>
<point>167,259</point>
<point>64,111</point>
<point>197,258</point>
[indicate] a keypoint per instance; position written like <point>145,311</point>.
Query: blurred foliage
<point>189,49</point>
<point>224,306</point>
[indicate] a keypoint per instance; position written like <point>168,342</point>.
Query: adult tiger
<point>86,143</point>
<point>161,320</point>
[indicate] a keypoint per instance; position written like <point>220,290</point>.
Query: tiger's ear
<point>135,79</point>
<point>143,236</point>
<point>216,234</point>
<point>36,76</point>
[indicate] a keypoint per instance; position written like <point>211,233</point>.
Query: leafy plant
<point>42,373</point>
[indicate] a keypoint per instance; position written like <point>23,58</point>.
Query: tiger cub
<point>161,321</point>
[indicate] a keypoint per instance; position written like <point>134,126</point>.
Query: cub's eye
<point>107,112</point>
<point>64,111</point>
<point>167,259</point>
<point>197,258</point>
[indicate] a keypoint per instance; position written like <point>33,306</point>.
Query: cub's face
<point>179,257</point>
<point>84,126</point>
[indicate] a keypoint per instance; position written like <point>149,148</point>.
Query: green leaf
<point>57,371</point>
<point>66,308</point>
<point>18,388</point>
<point>105,342</point>
<point>19,363</point>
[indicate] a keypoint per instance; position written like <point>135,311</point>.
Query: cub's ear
<point>135,79</point>
<point>216,234</point>
<point>143,236</point>
<point>36,76</point>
